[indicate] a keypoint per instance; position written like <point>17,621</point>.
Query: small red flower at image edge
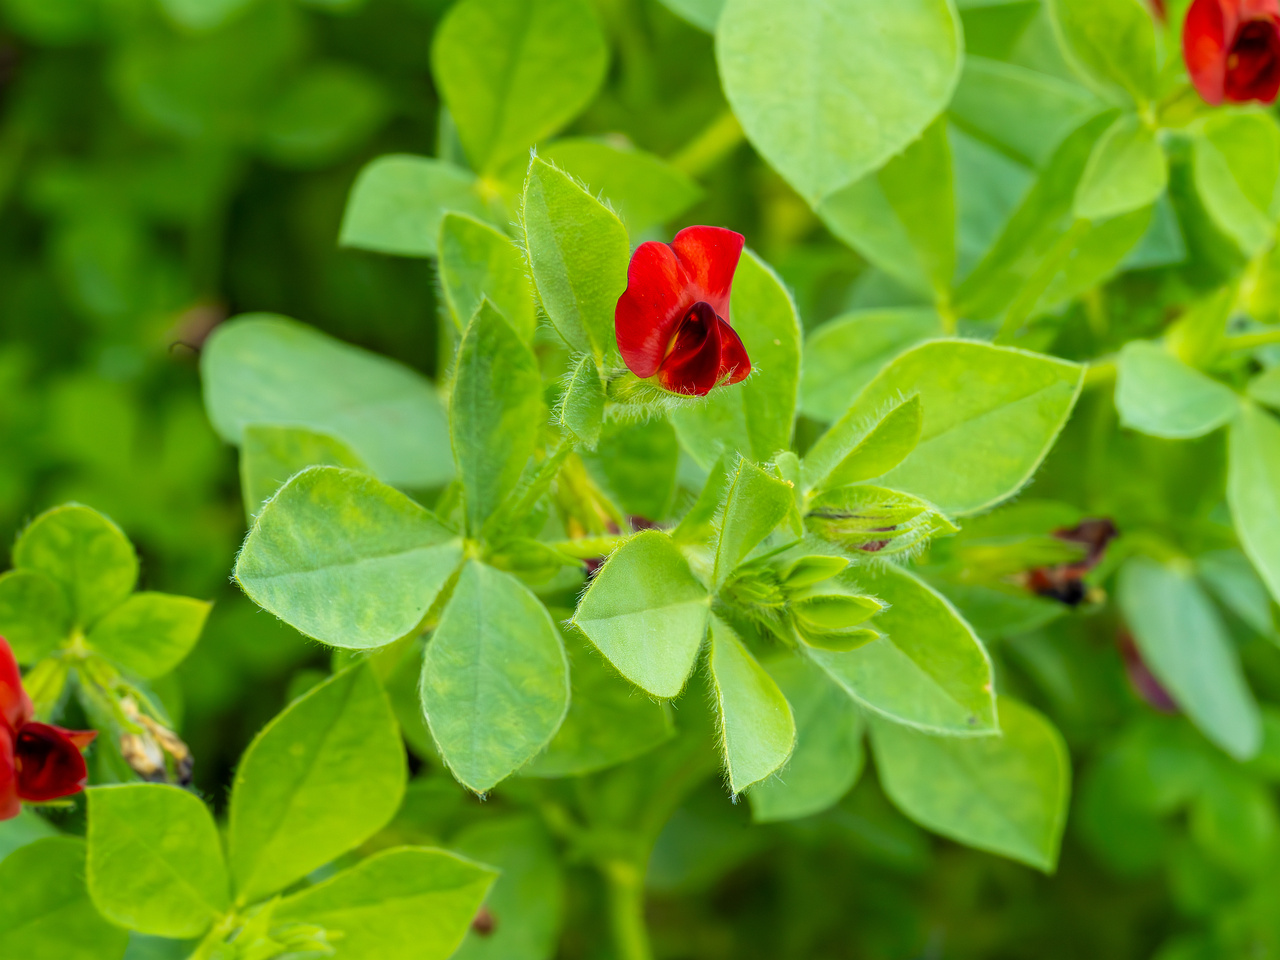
<point>672,321</point>
<point>1232,49</point>
<point>38,761</point>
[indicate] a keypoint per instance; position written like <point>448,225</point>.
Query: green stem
<point>1250,341</point>
<point>1023,305</point>
<point>588,548</point>
<point>721,137</point>
<point>625,882</point>
<point>215,938</point>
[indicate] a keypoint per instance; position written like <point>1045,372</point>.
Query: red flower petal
<point>709,256</point>
<point>734,362</point>
<point>9,805</point>
<point>15,705</point>
<point>693,366</point>
<point>1232,49</point>
<point>49,763</point>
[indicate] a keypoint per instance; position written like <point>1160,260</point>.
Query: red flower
<point>1232,49</point>
<point>672,321</point>
<point>37,761</point>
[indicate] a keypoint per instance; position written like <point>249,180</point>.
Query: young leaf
<point>1187,647</point>
<point>607,722</point>
<point>697,527</point>
<point>1113,43</point>
<point>883,445</point>
<point>1158,394</point>
<point>903,217</point>
<point>875,520</point>
<point>582,406</point>
<point>270,455</point>
<point>647,613</point>
<point>346,559</point>
<point>513,72</point>
<point>407,903</point>
<point>85,554</point>
<point>578,252</point>
<point>46,911</point>
<point>990,416</point>
<point>319,779</point>
<point>398,201</point>
<point>830,618</point>
<point>478,262</point>
<point>150,633</point>
<point>495,412</point>
<point>1126,171</point>
<point>155,860</point>
<point>873,79</point>
<point>929,671</point>
<point>1237,162</point>
<point>754,417</point>
<point>828,755</point>
<point>35,616</point>
<point>495,681</point>
<point>261,368</point>
<point>1006,794</point>
<point>756,726</point>
<point>843,355</point>
<point>1253,490</point>
<point>754,505</point>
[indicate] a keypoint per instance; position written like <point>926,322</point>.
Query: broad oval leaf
<point>886,443</point>
<point>150,633</point>
<point>928,671</point>
<point>1126,171</point>
<point>495,681</point>
<point>757,730</point>
<point>1006,794</point>
<point>271,454</point>
<point>155,860</point>
<point>35,615</point>
<point>828,91</point>
<point>479,262</point>
<point>990,416</point>
<point>647,613</point>
<point>403,903</point>
<point>262,368</point>
<point>319,779</point>
<point>1158,394</point>
<point>754,417</point>
<point>1253,490</point>
<point>346,559</point>
<point>1236,162</point>
<point>1187,647</point>
<point>1113,43</point>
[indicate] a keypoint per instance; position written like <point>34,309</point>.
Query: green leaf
<point>46,911</point>
<point>527,900</point>
<point>155,860</point>
<point>827,92</point>
<point>578,252</point>
<point>884,445</point>
<point>754,417</point>
<point>990,416</point>
<point>701,13</point>
<point>398,200</point>
<point>1006,794</point>
<point>1265,388</point>
<point>1253,490</point>
<point>1126,171</point>
<point>582,406</point>
<point>323,115</point>
<point>1237,163</point>
<point>903,217</point>
<point>407,903</point>
<point>1187,647</point>
<point>478,262</point>
<point>150,633</point>
<point>318,780</point>
<point>34,614</point>
<point>515,71</point>
<point>637,464</point>
<point>644,190</point>
<point>607,723</point>
<point>754,505</point>
<point>495,682</point>
<point>261,368</point>
<point>757,729</point>
<point>495,412</point>
<point>843,355</point>
<point>1236,584</point>
<point>1113,44</point>
<point>929,671</point>
<point>270,455</point>
<point>346,559</point>
<point>202,15</point>
<point>828,755</point>
<point>875,520</point>
<point>1158,394</point>
<point>647,613</point>
<point>85,554</point>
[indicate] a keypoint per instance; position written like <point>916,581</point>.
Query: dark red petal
<point>1253,61</point>
<point>15,705</point>
<point>709,256</point>
<point>651,307</point>
<point>9,805</point>
<point>49,764</point>
<point>1205,35</point>
<point>693,366</point>
<point>734,362</point>
<point>81,738</point>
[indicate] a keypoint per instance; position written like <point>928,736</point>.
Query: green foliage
<point>150,633</point>
<point>1126,171</point>
<point>1113,44</point>
<point>1158,394</point>
<point>270,455</point>
<point>479,262</point>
